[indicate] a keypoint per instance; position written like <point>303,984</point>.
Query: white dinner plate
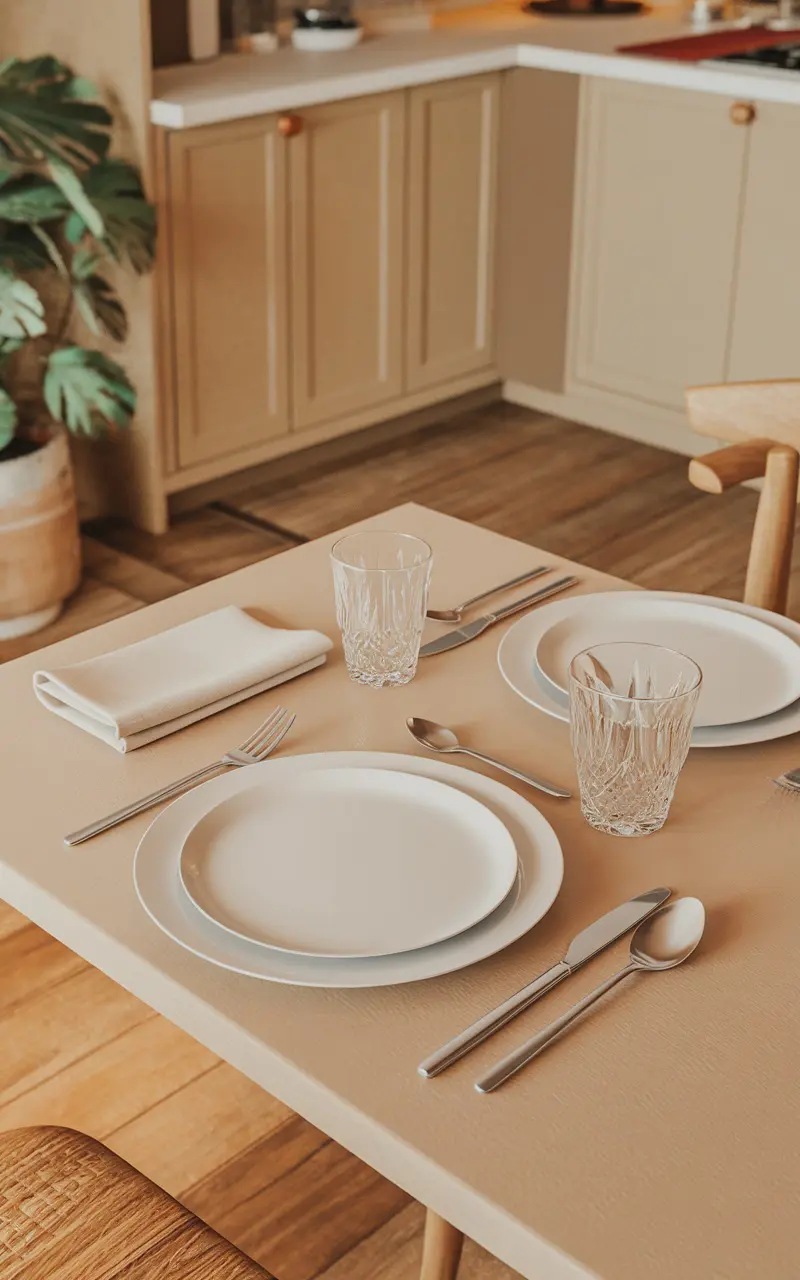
<point>348,862</point>
<point>518,667</point>
<point>158,885</point>
<point>749,668</point>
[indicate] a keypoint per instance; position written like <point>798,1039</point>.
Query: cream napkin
<point>134,695</point>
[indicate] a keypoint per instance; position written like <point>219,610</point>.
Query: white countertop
<point>237,85</point>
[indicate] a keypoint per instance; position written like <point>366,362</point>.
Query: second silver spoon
<point>436,738</point>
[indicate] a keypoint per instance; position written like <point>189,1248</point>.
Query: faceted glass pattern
<point>631,713</point>
<point>381,585</point>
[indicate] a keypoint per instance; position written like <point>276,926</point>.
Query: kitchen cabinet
<point>766,312</point>
<point>660,187</point>
<point>452,188</point>
<point>347,168</point>
<point>227,287</point>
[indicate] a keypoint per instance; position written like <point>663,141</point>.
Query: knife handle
<point>543,593</point>
<point>492,1021</point>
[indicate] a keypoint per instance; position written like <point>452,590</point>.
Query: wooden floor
<point>80,1051</point>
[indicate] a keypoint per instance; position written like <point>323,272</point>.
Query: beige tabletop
<point>659,1141</point>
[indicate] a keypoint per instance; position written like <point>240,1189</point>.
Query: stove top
<point>779,57</point>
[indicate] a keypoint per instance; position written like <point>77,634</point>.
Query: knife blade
<point>584,946</point>
<point>470,630</point>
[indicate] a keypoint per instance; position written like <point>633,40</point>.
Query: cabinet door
<point>766,314</point>
<point>452,192</point>
<point>658,210</point>
<point>228,252</point>
<point>346,220</point>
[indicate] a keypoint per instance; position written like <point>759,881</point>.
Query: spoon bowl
<point>669,935</point>
<point>445,615</point>
<point>432,735</point>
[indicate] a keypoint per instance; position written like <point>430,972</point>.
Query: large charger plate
<point>163,897</point>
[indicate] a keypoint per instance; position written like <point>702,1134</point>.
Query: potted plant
<point>68,213</point>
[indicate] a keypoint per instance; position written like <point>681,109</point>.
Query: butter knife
<point>590,942</point>
<point>472,629</point>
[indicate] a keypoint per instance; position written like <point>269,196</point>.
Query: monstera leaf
<point>22,250</point>
<point>30,198</point>
<point>8,418</point>
<point>94,297</point>
<point>21,309</point>
<point>87,391</point>
<point>44,114</point>
<point>114,190</point>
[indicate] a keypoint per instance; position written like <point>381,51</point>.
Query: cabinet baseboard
<point>643,422</point>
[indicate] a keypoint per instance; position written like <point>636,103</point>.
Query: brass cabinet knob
<point>743,113</point>
<point>288,126</point>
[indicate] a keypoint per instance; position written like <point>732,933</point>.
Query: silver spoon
<point>454,615</point>
<point>664,939</point>
<point>436,738</point>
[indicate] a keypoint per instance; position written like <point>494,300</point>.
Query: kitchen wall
<point>108,41</point>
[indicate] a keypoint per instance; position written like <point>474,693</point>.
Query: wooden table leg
<point>441,1250</point>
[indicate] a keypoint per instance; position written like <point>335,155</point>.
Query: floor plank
<point>93,603</point>
<point>31,961</point>
<point>57,1026</point>
<point>235,1113</point>
<point>199,545</point>
<point>110,1086</point>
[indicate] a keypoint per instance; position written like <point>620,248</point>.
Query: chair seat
<point>72,1210</point>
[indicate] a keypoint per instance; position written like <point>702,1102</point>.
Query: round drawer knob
<point>743,113</point>
<point>288,126</point>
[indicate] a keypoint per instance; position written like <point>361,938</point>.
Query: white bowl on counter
<point>326,39</point>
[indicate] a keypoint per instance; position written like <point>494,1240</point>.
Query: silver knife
<point>472,629</point>
<point>587,944</point>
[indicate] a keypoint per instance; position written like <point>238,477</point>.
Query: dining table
<point>659,1139</point>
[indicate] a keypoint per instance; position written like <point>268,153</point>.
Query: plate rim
<point>780,644</point>
<point>509,854</point>
<point>484,940</point>
<point>780,724</point>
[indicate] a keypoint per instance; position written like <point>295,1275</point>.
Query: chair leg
<point>441,1250</point>
<point>767,582</point>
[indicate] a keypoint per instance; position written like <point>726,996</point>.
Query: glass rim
<point>624,697</point>
<point>396,568</point>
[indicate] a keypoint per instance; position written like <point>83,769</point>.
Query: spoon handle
<point>504,586</point>
<point>514,1061</point>
<point>549,788</point>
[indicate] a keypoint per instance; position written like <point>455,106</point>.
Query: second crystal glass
<point>631,709</point>
<point>381,584</point>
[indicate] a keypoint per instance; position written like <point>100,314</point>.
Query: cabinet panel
<point>658,210</point>
<point>766,317</point>
<point>346,220</point>
<point>453,139</point>
<point>228,250</point>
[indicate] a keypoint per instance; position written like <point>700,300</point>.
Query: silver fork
<point>789,781</point>
<point>257,747</point>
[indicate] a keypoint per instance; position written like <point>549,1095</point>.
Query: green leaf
<point>68,182</point>
<point>21,309</point>
<point>32,199</point>
<point>100,307</point>
<point>115,190</point>
<point>8,419</point>
<point>43,114</point>
<point>87,391</point>
<point>51,249</point>
<point>22,250</point>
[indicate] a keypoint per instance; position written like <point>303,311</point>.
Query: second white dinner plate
<point>348,863</point>
<point>518,667</point>
<point>749,668</point>
<point>161,893</point>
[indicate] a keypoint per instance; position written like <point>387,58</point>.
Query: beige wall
<point>108,41</point>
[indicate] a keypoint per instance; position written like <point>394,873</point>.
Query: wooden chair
<point>762,422</point>
<point>72,1210</point>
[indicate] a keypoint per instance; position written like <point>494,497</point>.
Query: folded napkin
<point>151,688</point>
